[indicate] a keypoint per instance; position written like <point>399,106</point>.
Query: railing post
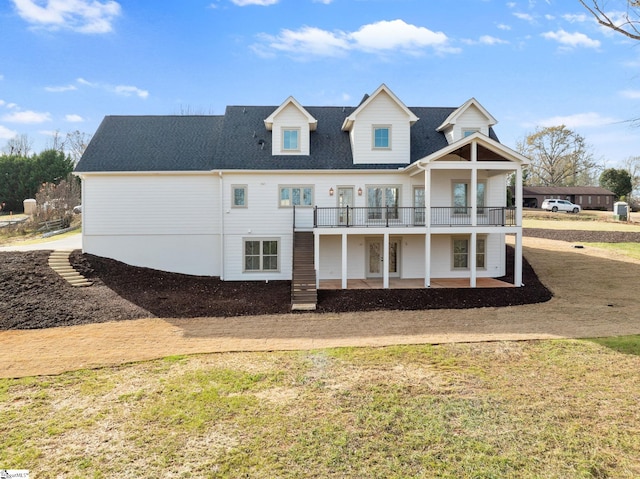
<point>347,216</point>
<point>315,216</point>
<point>294,217</point>
<point>387,216</point>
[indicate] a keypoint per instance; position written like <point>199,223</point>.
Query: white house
<point>379,190</point>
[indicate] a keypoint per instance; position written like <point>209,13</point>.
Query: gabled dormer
<point>290,125</point>
<point>379,129</point>
<point>471,117</point>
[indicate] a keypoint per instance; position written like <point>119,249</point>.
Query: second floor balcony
<point>393,217</point>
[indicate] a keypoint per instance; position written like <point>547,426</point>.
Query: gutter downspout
<point>221,225</point>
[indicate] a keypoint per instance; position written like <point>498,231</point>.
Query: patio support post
<point>427,224</point>
<point>385,262</point>
<point>344,261</point>
<point>316,257</point>
<point>427,259</point>
<point>472,260</point>
<point>517,263</point>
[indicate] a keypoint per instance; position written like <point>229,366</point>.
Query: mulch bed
<point>33,296</point>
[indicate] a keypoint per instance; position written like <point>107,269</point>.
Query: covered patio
<point>415,283</point>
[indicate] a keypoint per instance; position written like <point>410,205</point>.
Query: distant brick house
<point>588,197</point>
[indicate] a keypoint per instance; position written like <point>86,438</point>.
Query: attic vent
<point>244,110</point>
<point>261,143</point>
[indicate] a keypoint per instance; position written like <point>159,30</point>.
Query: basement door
<point>375,257</point>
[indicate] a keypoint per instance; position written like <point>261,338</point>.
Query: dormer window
<point>469,131</point>
<point>291,139</point>
<point>381,137</point>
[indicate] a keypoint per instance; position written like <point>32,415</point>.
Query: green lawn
<point>544,409</point>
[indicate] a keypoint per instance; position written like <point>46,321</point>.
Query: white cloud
<point>83,16</point>
<point>60,89</point>
<point>578,120</point>
<point>631,94</point>
<point>309,40</point>
<point>324,2</point>
<point>575,18</point>
<point>571,40</point>
<point>263,3</point>
<point>396,35</point>
<point>6,133</point>
<point>27,116</point>
<point>126,90</point>
<point>74,118</point>
<point>489,40</point>
<point>380,37</point>
<point>524,16</point>
<point>122,90</point>
<point>502,26</point>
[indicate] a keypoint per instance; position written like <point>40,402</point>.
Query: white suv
<point>560,205</point>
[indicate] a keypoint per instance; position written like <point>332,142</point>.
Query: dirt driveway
<point>595,295</point>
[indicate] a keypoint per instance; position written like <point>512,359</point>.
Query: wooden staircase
<point>304,295</point>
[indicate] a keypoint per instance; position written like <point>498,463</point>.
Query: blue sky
<point>65,64</point>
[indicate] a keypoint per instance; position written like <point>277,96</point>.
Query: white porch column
<point>316,257</point>
<point>427,224</point>
<point>518,196</point>
<point>517,263</point>
<point>474,184</point>
<point>385,262</point>
<point>427,259</point>
<point>472,259</point>
<point>344,261</point>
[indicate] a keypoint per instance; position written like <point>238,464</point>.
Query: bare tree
<point>19,145</point>
<point>559,157</point>
<point>628,23</point>
<point>75,143</point>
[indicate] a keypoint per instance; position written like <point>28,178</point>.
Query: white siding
<point>382,110</point>
<point>442,257</point>
<point>170,223</point>
<point>290,117</point>
<point>471,118</point>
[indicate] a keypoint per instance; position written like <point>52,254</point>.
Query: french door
<point>375,257</point>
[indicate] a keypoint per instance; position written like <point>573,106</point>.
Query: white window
<point>261,254</point>
<point>461,196</point>
<point>381,137</point>
<point>460,248</point>
<point>469,131</point>
<point>382,202</point>
<point>239,196</point>
<point>291,139</point>
<point>419,205</point>
<point>299,195</point>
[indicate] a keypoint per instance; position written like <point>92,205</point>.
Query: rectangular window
<point>291,139</point>
<point>382,137</point>
<point>382,202</point>
<point>461,253</point>
<point>461,197</point>
<point>418,204</point>
<point>238,196</point>
<point>261,255</point>
<point>469,131</point>
<point>296,196</point>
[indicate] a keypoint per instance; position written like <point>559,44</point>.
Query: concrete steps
<point>59,262</point>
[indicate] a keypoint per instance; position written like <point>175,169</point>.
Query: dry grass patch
<point>505,409</point>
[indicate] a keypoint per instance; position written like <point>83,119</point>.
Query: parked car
<point>560,205</point>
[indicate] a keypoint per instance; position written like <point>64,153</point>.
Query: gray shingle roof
<point>237,140</point>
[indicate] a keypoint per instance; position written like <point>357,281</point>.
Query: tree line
<point>562,157</point>
<point>23,173</point>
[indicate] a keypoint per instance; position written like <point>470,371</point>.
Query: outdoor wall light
<point>331,191</point>
<point>359,191</point>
